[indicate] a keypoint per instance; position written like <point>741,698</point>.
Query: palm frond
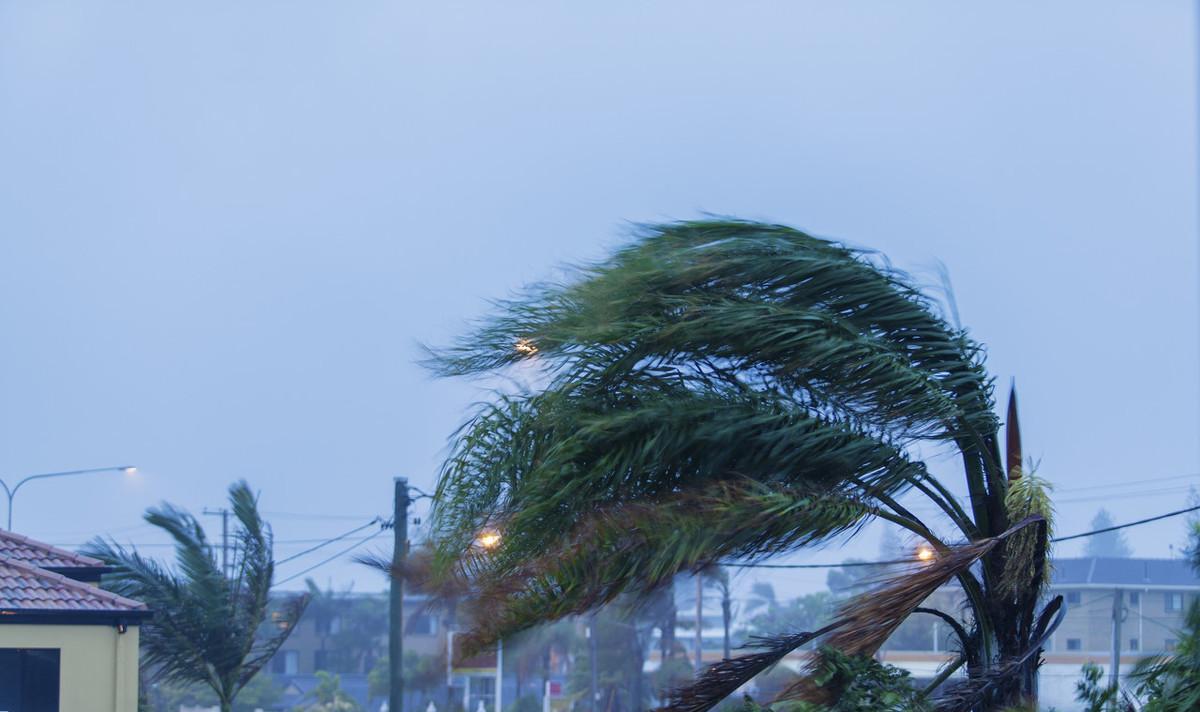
<point>637,548</point>
<point>539,464</point>
<point>871,618</point>
<point>722,679</point>
<point>796,311</point>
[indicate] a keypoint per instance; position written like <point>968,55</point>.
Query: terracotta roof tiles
<point>27,589</point>
<point>15,547</point>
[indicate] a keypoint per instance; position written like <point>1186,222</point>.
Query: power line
<point>304,515</point>
<point>1128,483</point>
<point>915,560</point>
<point>323,562</point>
<point>1125,526</point>
<point>327,542</point>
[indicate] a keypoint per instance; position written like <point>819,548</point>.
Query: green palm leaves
<point>208,624</point>
<point>715,390</point>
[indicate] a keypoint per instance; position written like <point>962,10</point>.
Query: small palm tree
<point>725,390</point>
<point>208,627</point>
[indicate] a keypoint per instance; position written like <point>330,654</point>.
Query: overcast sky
<point>226,226</point>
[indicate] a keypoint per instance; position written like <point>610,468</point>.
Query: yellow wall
<point>99,666</point>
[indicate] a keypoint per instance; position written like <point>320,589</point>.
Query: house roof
<point>15,547</point>
<point>27,589</point>
<point>1142,573</point>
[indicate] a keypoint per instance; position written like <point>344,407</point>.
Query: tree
<point>724,390</point>
<point>1171,683</point>
<point>718,578</point>
<point>353,645</point>
<point>328,695</point>
<point>425,674</point>
<point>807,612</point>
<point>618,663</point>
<point>206,624</point>
<point>1108,544</point>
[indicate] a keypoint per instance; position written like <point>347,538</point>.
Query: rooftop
<point>15,547</point>
<point>27,589</point>
<point>1126,572</point>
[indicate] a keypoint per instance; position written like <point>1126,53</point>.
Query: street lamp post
<point>11,492</point>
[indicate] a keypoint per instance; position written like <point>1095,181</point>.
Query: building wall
<point>1148,619</point>
<point>98,665</point>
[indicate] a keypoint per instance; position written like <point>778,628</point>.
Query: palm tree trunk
<point>726,616</point>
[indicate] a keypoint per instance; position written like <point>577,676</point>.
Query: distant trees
<point>1108,544</point>
<point>424,674</point>
<point>328,696</point>
<point>354,628</point>
<point>207,627</point>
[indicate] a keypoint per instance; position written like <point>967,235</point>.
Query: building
<point>1149,598</point>
<point>64,642</point>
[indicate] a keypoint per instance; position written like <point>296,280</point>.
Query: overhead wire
<point>327,542</point>
<point>914,560</point>
<point>338,555</point>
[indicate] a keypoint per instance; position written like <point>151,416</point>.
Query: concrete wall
<point>99,666</point>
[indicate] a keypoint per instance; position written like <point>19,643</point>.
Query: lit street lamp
<point>12,491</point>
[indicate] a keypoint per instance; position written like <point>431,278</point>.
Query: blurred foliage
<point>866,686</point>
<point>422,673</point>
<point>328,696</point>
<point>354,628</point>
<point>1108,544</point>
<point>262,692</point>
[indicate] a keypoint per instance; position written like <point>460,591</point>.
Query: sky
<point>227,227</point>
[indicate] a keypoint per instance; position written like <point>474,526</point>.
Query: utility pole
<point>224,514</point>
<point>699,623</point>
<point>593,652</point>
<point>1118,614</point>
<point>396,613</point>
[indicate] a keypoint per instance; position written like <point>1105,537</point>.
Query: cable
<point>913,561</point>
<point>302,515</point>
<point>1124,526</point>
<point>822,566</point>
<point>1128,483</point>
<point>338,555</point>
<point>327,542</point>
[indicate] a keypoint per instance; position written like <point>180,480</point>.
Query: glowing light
<point>525,347</point>
<point>488,540</point>
<point>924,553</point>
<point>131,471</point>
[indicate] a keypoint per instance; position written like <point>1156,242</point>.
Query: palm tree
<point>718,578</point>
<point>208,626</point>
<point>724,390</point>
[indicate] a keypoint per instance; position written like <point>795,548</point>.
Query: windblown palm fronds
<point>719,390</point>
<point>208,625</point>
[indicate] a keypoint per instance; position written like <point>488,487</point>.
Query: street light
<point>12,491</point>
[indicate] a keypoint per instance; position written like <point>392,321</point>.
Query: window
<point>1133,644</point>
<point>481,690</point>
<point>421,624</point>
<point>1135,598</point>
<point>1072,598</point>
<point>321,660</point>
<point>29,679</point>
<point>286,662</point>
<point>1174,602</point>
<point>330,625</point>
<point>1074,644</point>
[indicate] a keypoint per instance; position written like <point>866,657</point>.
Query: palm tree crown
<point>727,390</point>
<point>208,626</point>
